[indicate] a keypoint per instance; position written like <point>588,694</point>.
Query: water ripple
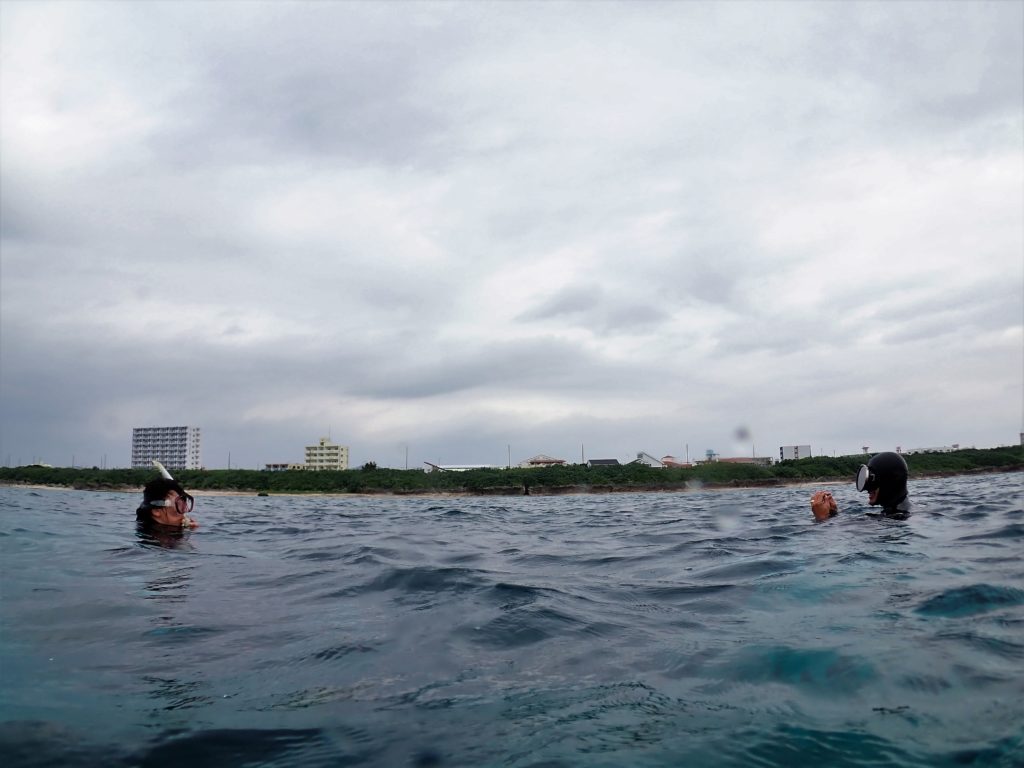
<point>971,600</point>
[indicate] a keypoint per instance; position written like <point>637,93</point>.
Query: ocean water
<point>702,628</point>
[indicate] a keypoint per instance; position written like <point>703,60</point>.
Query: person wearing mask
<point>166,503</point>
<point>885,480</point>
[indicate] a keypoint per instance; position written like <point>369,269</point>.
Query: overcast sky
<point>473,230</point>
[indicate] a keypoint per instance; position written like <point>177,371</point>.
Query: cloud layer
<point>469,230</point>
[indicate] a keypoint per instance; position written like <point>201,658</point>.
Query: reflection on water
<point>154,535</point>
<point>173,683</point>
<point>700,628</point>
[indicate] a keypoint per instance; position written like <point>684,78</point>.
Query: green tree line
<point>566,478</point>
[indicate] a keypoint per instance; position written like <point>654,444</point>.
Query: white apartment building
<point>326,455</point>
<point>792,452</point>
<point>174,447</point>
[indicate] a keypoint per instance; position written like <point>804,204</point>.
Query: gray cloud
<point>462,227</point>
<point>589,306</point>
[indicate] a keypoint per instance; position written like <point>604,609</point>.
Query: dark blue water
<point>690,629</point>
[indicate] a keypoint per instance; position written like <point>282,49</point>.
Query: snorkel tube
<point>163,470</point>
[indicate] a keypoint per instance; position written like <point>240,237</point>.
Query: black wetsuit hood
<point>888,472</point>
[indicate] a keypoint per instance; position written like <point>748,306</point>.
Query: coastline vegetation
<point>570,478</point>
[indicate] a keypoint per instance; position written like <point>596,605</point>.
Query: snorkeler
<point>823,506</point>
<point>885,480</point>
<point>165,502</point>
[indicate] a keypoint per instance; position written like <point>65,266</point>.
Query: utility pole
<point>509,465</point>
<point>407,457</point>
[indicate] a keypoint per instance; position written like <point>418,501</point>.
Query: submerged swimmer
<point>885,480</point>
<point>823,506</point>
<point>165,502</point>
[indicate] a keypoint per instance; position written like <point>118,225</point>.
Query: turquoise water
<point>718,628</point>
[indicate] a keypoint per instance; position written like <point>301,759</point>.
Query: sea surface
<point>698,628</point>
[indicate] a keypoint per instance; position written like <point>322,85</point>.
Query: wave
<point>971,600</point>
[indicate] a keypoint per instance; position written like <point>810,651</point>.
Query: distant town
<point>326,470</point>
<point>180,447</point>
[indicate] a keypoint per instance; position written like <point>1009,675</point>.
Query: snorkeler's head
<point>885,479</point>
<point>154,494</point>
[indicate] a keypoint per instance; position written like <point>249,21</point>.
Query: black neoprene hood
<point>889,473</point>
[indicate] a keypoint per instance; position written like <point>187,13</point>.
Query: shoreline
<point>519,491</point>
